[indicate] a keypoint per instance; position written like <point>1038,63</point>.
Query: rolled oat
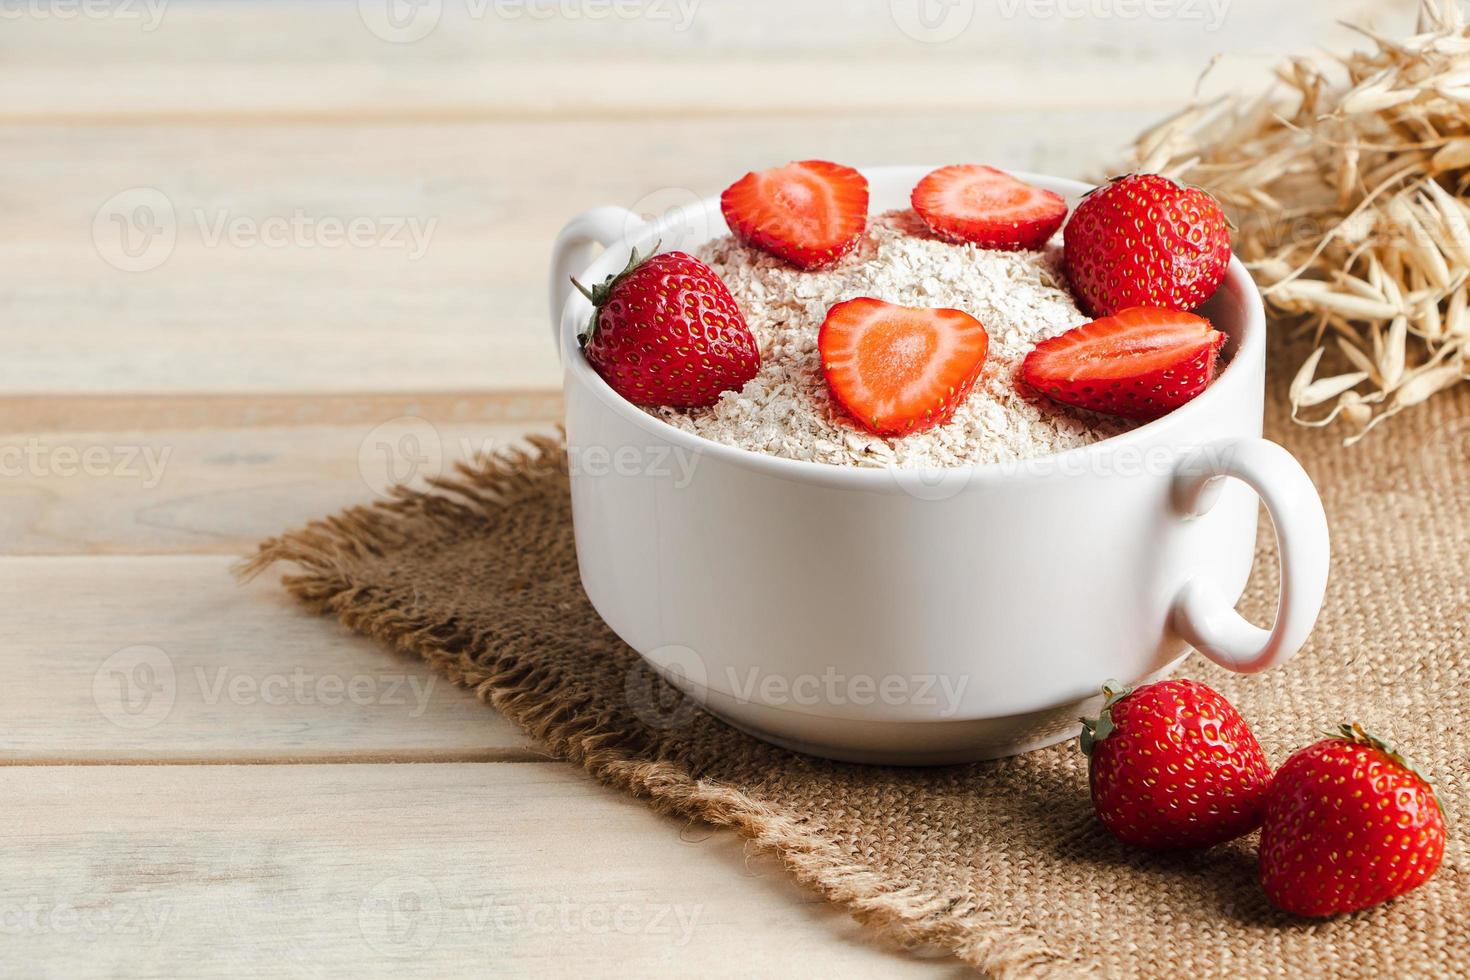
<point>786,410</point>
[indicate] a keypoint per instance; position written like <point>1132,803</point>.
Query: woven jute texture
<point>1002,863</point>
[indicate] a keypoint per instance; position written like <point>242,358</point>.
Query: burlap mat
<point>1002,863</point>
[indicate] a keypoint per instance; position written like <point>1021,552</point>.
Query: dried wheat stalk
<point>1349,184</point>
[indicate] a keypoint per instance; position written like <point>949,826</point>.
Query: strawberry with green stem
<point>666,331</point>
<point>1349,823</point>
<point>1173,765</point>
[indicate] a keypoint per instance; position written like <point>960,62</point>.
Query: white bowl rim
<point>1250,340</point>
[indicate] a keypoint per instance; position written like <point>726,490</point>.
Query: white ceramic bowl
<point>935,616</point>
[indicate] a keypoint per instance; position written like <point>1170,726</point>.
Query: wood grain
<point>524,60</point>
<point>128,660</point>
<point>22,415</point>
<point>424,871</point>
<point>236,315</point>
<point>277,376</point>
<point>218,491</point>
<point>484,137</point>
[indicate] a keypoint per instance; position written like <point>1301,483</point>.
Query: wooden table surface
<point>257,257</point>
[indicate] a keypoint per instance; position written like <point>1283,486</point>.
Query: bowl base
<point>905,743</point>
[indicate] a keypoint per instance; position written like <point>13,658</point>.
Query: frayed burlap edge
<point>324,552</point>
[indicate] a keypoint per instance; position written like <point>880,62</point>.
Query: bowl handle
<point>577,245</point>
<point>1201,614</point>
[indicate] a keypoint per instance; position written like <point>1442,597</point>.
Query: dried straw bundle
<point>1348,186</point>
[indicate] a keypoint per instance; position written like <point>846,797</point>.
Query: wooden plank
<point>118,413</point>
<point>444,286</point>
<point>134,660</point>
<point>427,871</point>
<point>235,315</point>
<point>257,288</point>
<point>182,94</point>
<point>216,490</point>
<point>529,58</point>
<point>669,31</point>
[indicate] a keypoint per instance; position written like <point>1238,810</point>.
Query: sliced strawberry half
<point>989,208</point>
<point>899,370</point>
<point>1139,363</point>
<point>809,213</point>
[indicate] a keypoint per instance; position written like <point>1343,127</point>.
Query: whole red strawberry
<point>1174,765</point>
<point>1348,824</point>
<point>666,331</point>
<point>1144,240</point>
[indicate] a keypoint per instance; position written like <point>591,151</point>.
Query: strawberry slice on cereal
<point>987,207</point>
<point>809,213</point>
<point>1140,363</point>
<point>897,369</point>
